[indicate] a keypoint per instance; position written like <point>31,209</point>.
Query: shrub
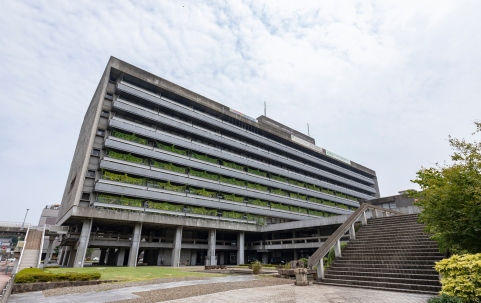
<point>279,206</point>
<point>129,137</point>
<point>169,166</point>
<point>32,275</point>
<point>202,211</point>
<point>232,181</point>
<point>316,213</point>
<point>256,267</point>
<point>461,276</point>
<point>278,178</point>
<point>233,198</point>
<point>171,148</point>
<point>257,172</point>
<point>111,199</point>
<point>259,202</point>
<point>166,206</point>
<point>232,214</point>
<point>233,165</point>
<point>331,256</point>
<point>126,157</point>
<point>313,187</point>
<point>204,192</point>
<point>124,178</point>
<point>303,260</point>
<point>205,158</point>
<point>445,299</point>
<point>203,174</point>
<point>256,186</point>
<point>278,192</point>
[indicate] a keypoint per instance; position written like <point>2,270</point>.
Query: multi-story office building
<point>165,173</point>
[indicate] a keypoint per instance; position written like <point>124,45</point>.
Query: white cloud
<point>382,83</point>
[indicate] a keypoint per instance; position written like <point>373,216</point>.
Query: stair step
<point>402,286</point>
<point>386,269</point>
<point>413,248</point>
<point>393,263</point>
<point>385,279</point>
<point>380,288</point>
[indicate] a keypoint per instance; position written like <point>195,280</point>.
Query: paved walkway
<point>5,277</point>
<point>307,294</point>
<point>115,294</point>
<point>283,293</point>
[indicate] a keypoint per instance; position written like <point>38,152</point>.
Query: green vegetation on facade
<point>172,148</point>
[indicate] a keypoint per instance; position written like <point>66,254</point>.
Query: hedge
<point>32,275</point>
<point>171,148</point>
<point>461,276</point>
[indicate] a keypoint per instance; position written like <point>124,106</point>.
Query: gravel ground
<point>197,290</point>
<point>109,286</point>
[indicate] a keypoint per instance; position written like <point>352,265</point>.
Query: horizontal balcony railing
<point>150,193</point>
<point>193,129</point>
<point>243,191</point>
<point>192,162</point>
<point>164,102</point>
<point>224,155</point>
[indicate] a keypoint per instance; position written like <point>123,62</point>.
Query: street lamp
<point>24,218</point>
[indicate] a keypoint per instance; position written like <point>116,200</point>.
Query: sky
<point>382,83</point>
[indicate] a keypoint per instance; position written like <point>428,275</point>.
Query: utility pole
<point>24,218</point>
<point>265,114</point>
<point>308,130</point>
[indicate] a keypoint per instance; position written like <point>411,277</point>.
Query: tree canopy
<point>450,197</point>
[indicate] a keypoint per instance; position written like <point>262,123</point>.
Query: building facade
<point>166,174</point>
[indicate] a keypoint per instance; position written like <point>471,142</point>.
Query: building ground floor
<point>161,243</point>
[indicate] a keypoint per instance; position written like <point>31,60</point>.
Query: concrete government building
<point>164,176</point>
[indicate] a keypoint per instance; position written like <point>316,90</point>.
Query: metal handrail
<point>317,256</point>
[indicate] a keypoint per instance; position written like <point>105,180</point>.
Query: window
<point>100,132</point>
<point>91,173</point>
<point>96,152</point>
<point>85,196</point>
<point>104,113</point>
<point>109,96</point>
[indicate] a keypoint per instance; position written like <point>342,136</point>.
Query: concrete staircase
<point>31,249</point>
<point>389,253</point>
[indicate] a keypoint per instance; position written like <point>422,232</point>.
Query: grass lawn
<point>134,273</point>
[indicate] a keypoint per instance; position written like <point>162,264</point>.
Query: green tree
<point>450,198</point>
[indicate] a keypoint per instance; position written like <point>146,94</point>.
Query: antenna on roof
<point>308,130</point>
<point>265,109</point>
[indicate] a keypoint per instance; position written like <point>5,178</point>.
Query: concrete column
<point>221,258</point>
<point>66,255</point>
<point>134,247</point>
<point>240,248</point>
<point>363,218</point>
<point>320,269</point>
<point>111,257</point>
<point>160,257</point>
<point>103,252</point>
<point>60,255</point>
<point>193,257</point>
<point>120,257</point>
<point>71,257</point>
<point>83,243</point>
<point>374,213</point>
<point>337,249</point>
<point>352,232</point>
<point>265,258</point>
<point>211,259</point>
<point>296,256</point>
<point>49,250</point>
<point>176,247</point>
